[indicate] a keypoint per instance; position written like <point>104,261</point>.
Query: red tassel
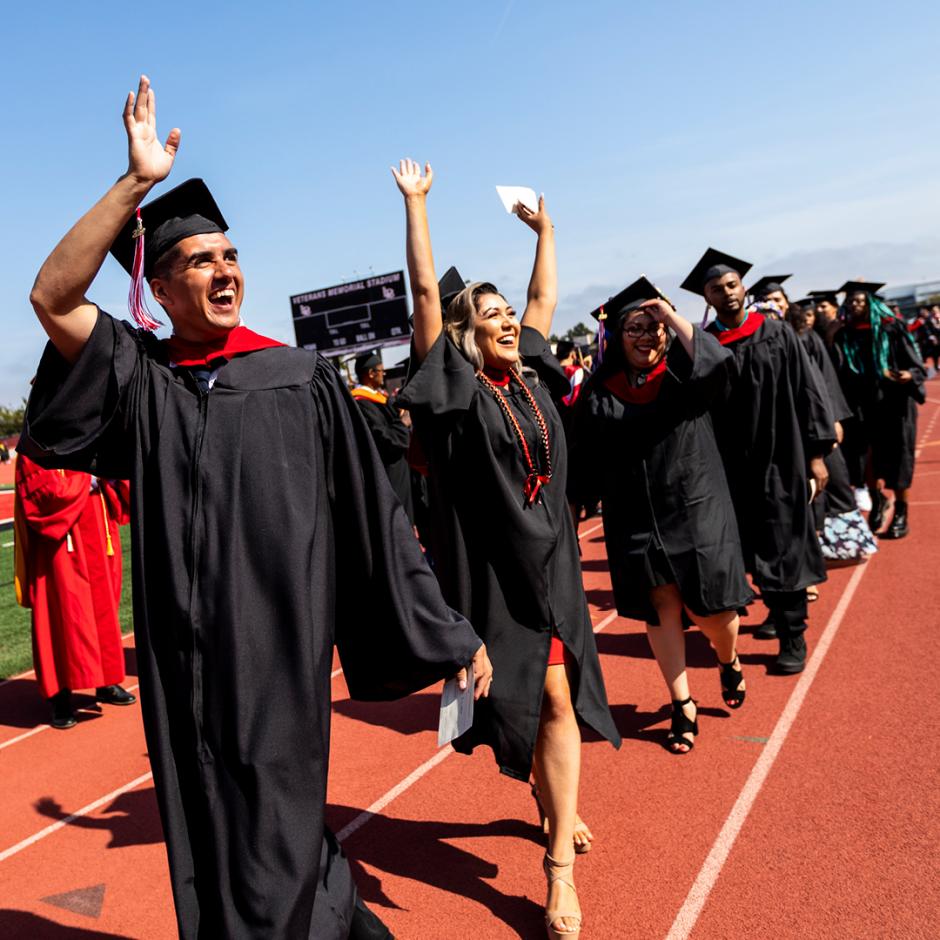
<point>136,301</point>
<point>534,482</point>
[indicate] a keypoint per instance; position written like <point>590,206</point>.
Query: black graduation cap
<point>866,287</point>
<point>365,361</point>
<point>187,209</point>
<point>450,285</point>
<point>768,284</point>
<point>829,295</point>
<point>711,265</point>
<point>631,297</point>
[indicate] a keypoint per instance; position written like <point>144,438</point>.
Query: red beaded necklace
<point>534,480</point>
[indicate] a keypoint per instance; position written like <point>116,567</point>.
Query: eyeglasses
<point>635,331</point>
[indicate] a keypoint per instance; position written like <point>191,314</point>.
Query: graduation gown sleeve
<point>537,354</point>
<point>76,416</point>
<point>394,632</point>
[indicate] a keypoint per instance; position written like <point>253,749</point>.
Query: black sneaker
<point>114,695</point>
<point>63,717</point>
<point>792,656</point>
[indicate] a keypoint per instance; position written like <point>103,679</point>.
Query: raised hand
<point>537,221</point>
<point>409,179</point>
<point>148,161</point>
<point>658,309</point>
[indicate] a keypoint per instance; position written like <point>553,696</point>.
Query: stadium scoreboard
<point>349,318</point>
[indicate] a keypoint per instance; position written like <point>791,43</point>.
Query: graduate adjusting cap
<point>830,295</point>
<point>631,297</point>
<point>769,284</point>
<point>450,285</point>
<point>187,209</point>
<point>711,265</point>
<point>866,287</point>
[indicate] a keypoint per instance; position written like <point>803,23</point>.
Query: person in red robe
<point>68,572</point>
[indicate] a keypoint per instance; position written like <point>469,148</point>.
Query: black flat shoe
<point>63,717</point>
<point>731,681</point>
<point>879,506</point>
<point>114,695</point>
<point>682,725</point>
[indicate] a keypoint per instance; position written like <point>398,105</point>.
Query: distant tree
<point>579,329</point>
<point>11,420</point>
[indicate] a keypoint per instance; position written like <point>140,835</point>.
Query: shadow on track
<point>410,715</point>
<point>23,706</point>
<point>132,819</point>
<point>417,850</point>
<point>23,924</point>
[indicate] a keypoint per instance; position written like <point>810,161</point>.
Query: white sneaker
<point>863,498</point>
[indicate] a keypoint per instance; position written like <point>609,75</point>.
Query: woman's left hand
<point>539,221</point>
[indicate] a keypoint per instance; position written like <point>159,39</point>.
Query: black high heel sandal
<point>681,725</point>
<point>731,679</point>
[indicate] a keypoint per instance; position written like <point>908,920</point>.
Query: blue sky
<point>801,136</point>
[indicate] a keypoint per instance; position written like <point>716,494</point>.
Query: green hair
<point>878,312</point>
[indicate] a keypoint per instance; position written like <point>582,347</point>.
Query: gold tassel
<point>107,527</point>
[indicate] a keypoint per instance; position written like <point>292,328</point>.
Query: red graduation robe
<point>69,573</point>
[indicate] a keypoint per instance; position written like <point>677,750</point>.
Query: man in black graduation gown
<point>390,427</point>
<point>264,531</point>
<point>883,377</point>
<point>773,430</point>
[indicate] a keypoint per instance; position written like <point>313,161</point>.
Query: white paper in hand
<point>510,195</point>
<point>456,710</point>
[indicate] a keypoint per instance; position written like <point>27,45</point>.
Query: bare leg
<point>722,632</point>
<point>558,769</point>
<point>668,644</point>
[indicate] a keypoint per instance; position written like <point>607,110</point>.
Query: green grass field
<point>16,652</point>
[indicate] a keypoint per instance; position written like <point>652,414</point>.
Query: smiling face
<point>496,331</point>
<point>726,294</point>
<point>779,299</point>
<point>200,286</point>
<point>643,339</point>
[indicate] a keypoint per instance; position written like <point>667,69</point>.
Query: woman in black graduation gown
<point>481,399</point>
<point>644,445</point>
<point>883,378</point>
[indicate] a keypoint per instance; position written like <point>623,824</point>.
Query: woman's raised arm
<point>428,322</point>
<point>543,285</point>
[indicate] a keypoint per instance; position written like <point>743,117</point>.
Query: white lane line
<point>392,794</point>
<point>587,532</point>
<point>38,728</point>
<point>609,619</point>
<point>84,811</point>
<point>927,432</point>
<point>711,869</point>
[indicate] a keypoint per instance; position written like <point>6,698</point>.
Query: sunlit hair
<point>460,320</point>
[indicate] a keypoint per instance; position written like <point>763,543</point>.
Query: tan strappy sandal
<point>563,872</point>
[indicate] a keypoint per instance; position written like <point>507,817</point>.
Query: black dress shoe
<point>879,506</point>
<point>114,695</point>
<point>899,527</point>
<point>62,715</point>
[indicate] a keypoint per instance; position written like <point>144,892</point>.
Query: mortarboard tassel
<point>136,301</point>
<point>601,335</point>
<point>705,318</point>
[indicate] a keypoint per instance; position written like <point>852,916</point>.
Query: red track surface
<point>835,838</point>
